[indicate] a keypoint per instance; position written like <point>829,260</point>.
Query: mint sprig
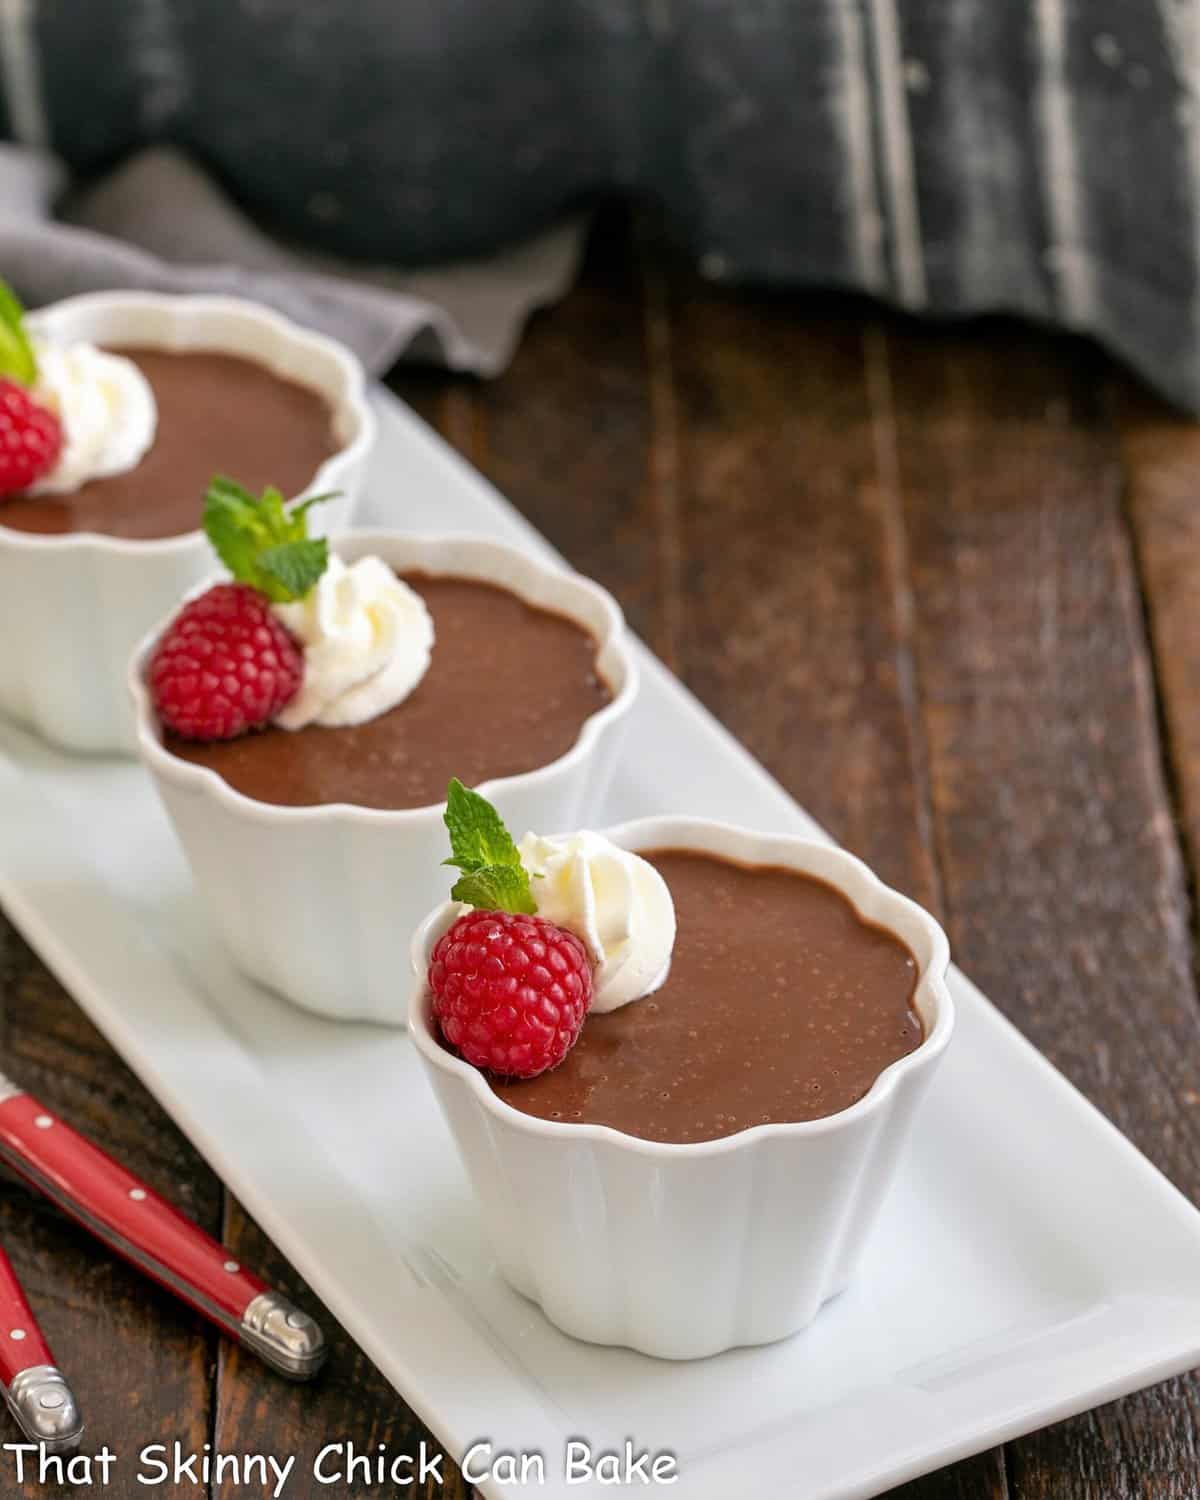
<point>261,542</point>
<point>493,877</point>
<point>17,361</point>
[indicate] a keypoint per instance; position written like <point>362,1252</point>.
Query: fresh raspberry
<point>510,992</point>
<point>224,665</point>
<point>30,438</point>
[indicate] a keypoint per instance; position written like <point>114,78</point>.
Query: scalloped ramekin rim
<point>728,839</point>
<point>327,476</point>
<point>208,782</point>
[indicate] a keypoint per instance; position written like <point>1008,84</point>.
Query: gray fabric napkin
<point>157,223</point>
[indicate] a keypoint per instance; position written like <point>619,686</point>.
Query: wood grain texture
<point>795,594</point>
<point>1065,892</point>
<point>984,1477</point>
<point>1161,453</point>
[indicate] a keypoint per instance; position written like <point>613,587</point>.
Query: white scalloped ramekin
<point>73,606</point>
<point>319,903</point>
<point>682,1251</point>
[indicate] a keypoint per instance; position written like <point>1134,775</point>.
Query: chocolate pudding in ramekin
<point>86,571</point>
<point>702,1169</point>
<point>316,850</point>
<point>509,689</point>
<point>216,413</point>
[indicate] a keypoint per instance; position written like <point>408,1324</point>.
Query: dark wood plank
<point>797,615</point>
<point>984,1477</point>
<point>1064,881</point>
<point>139,1361</point>
<point>1065,894</point>
<point>1161,451</point>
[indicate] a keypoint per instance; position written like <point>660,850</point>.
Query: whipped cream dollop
<point>367,640</point>
<point>612,899</point>
<point>106,408</point>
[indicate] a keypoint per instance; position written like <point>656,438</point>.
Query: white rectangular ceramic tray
<point>1029,1264</point>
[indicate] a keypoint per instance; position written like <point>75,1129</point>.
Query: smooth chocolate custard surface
<point>217,414</point>
<point>508,689</point>
<point>782,1004</point>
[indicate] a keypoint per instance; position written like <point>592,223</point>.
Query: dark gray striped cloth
<point>1040,156</point>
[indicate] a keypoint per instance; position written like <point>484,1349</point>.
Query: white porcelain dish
<point>79,602</point>
<point>319,903</point>
<point>1028,1263</point>
<point>686,1250</point>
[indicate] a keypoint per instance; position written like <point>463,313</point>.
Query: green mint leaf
<point>17,360</point>
<point>261,542</point>
<point>478,836</point>
<point>496,888</point>
<point>295,566</point>
<point>230,523</point>
<point>274,517</point>
<point>482,848</point>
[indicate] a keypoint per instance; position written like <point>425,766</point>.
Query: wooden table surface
<point>943,582</point>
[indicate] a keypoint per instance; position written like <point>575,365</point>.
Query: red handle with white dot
<point>21,1343</point>
<point>124,1213</point>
